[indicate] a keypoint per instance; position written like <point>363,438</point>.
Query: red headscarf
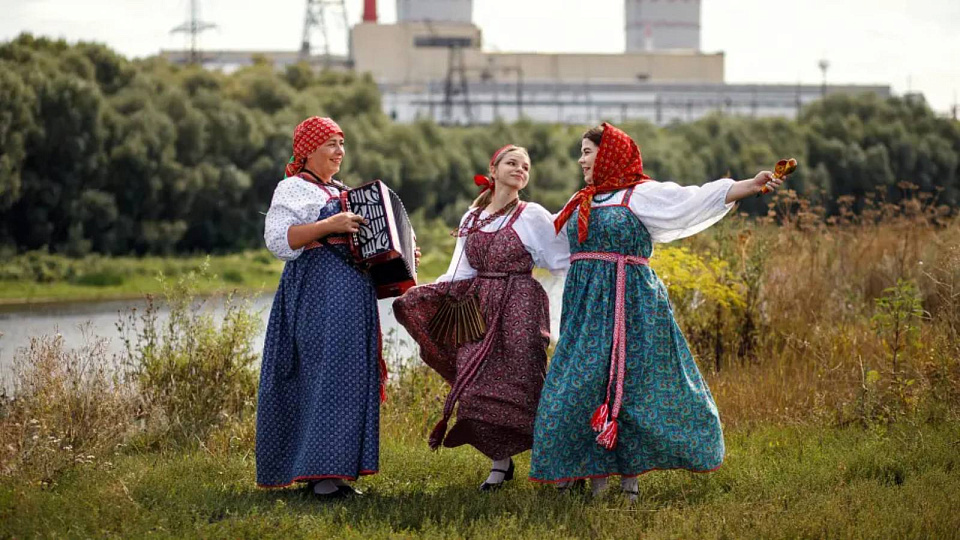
<point>485,181</point>
<point>618,165</point>
<point>307,137</point>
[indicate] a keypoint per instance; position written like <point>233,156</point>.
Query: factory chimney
<point>370,11</point>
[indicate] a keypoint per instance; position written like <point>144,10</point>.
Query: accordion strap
<point>327,241</point>
<point>309,176</point>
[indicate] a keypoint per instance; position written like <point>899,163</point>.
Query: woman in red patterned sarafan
<point>495,379</point>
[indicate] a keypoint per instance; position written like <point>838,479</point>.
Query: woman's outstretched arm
<point>745,188</point>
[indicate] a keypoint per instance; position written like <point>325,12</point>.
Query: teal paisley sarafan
<point>668,418</point>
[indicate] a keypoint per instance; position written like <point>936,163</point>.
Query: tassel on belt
<point>604,419</point>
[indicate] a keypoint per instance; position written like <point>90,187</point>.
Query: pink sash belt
<point>604,419</point>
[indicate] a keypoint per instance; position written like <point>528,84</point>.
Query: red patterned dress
<point>496,380</point>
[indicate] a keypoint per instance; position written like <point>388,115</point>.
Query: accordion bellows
<point>386,242</point>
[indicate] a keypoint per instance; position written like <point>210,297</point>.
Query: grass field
<point>777,482</point>
<point>832,350</point>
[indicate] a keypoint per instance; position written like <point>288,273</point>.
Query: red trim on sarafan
<point>625,475</point>
<point>314,478</point>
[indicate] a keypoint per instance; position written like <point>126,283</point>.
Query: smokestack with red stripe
<point>370,11</point>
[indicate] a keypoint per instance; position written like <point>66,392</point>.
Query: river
<point>20,323</point>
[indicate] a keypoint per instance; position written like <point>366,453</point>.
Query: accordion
<point>385,244</point>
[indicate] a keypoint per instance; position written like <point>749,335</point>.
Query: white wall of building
<point>588,103</point>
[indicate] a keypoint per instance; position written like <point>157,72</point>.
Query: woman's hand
<point>752,186</point>
<point>344,222</point>
<point>416,257</point>
<point>766,178</point>
<point>299,236</point>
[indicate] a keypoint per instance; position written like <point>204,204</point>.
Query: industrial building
<point>431,64</point>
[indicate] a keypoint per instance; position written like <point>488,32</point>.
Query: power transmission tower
<point>318,13</point>
<point>456,80</point>
<point>451,88</point>
<point>194,27</point>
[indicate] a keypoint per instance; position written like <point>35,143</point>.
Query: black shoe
<point>349,491</point>
<point>342,492</point>
<point>333,495</point>
<point>507,475</point>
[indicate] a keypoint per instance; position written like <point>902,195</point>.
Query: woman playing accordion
<point>318,416</point>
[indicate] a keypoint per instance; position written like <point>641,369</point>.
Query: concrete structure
<point>435,10</point>
<point>589,102</point>
<point>656,25</point>
<point>416,53</point>
<point>229,61</point>
<point>432,64</point>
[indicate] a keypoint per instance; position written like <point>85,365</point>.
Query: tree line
<point>103,154</point>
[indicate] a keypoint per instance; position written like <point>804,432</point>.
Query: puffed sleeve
<point>459,268</point>
<point>549,250</point>
<point>295,202</point>
<point>670,211</point>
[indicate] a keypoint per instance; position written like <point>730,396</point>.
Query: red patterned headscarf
<point>618,165</point>
<point>484,181</point>
<point>307,137</point>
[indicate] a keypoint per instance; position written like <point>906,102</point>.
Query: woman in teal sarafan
<point>623,395</point>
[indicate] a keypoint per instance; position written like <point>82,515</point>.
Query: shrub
<point>67,407</point>
<point>196,372</point>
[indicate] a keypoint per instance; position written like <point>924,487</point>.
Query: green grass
<point>45,278</point>
<point>38,278</point>
<point>777,482</point>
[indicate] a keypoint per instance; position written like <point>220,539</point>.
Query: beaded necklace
<point>606,197</point>
<point>474,223</point>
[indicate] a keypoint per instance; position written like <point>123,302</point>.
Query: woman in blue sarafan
<point>623,395</point>
<point>318,411</point>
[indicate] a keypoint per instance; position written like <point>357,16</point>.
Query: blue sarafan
<point>318,414</point>
<point>663,416</point>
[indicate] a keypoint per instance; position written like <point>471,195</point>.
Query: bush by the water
<point>68,407</point>
<point>193,372</point>
<point>183,374</point>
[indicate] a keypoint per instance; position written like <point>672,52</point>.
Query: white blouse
<point>670,211</point>
<point>295,202</point>
<point>534,226</point>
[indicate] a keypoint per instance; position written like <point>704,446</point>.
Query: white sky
<point>910,45</point>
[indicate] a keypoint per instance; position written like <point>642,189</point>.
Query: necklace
<point>604,199</point>
<point>474,223</point>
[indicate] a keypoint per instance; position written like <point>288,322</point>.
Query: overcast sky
<point>912,46</point>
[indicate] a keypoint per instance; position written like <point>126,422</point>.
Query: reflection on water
<point>19,323</point>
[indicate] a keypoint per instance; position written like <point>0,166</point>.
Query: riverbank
<point>40,278</point>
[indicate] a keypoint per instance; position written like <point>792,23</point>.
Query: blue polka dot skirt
<point>318,412</point>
